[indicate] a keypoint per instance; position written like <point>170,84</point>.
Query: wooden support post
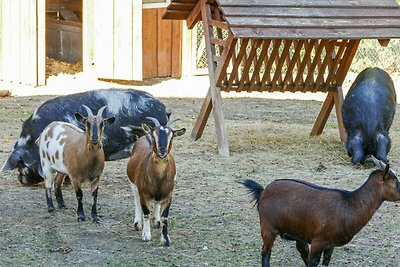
<point>323,114</point>
<point>338,106</point>
<point>202,117</point>
<point>214,92</point>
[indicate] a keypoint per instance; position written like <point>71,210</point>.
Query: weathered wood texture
<point>22,44</point>
<point>162,45</point>
<point>302,19</point>
<point>64,40</point>
<point>283,45</point>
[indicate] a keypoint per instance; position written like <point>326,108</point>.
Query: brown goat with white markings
<point>323,217</point>
<point>67,150</point>
<point>151,171</point>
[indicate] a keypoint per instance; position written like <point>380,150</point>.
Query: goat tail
<point>254,189</point>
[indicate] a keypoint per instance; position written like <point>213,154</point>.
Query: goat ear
<point>80,118</point>
<point>179,132</point>
<point>109,120</point>
<point>386,171</point>
<point>146,128</point>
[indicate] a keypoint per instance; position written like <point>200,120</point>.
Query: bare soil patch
<point>212,222</point>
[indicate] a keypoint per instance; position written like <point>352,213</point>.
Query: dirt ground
<point>212,222</point>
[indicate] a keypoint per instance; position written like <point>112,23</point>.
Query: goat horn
<point>379,163</point>
<point>169,123</point>
<point>88,110</point>
<point>100,112</point>
<point>156,122</point>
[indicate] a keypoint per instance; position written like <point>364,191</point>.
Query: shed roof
<point>300,19</point>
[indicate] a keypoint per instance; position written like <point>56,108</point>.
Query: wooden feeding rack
<point>284,46</point>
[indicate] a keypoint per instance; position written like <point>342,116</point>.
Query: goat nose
<point>95,141</point>
<point>162,153</point>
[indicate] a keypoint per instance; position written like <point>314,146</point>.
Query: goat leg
<point>156,214</point>
<point>49,200</point>
<point>57,192</point>
<point>302,247</point>
<point>165,240</point>
<point>79,210</point>
<point>146,233</point>
<point>327,256</point>
<point>94,206</point>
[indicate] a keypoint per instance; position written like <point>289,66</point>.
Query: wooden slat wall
<point>22,48</point>
<point>117,39</point>
<point>162,45</point>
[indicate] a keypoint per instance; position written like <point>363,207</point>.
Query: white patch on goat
<point>23,140</point>
<point>138,208</point>
<point>146,234</point>
<point>156,213</point>
<point>35,115</point>
<point>52,149</point>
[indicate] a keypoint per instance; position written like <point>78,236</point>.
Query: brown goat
<point>151,171</point>
<point>323,217</point>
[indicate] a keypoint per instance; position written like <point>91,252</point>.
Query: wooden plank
<point>281,60</point>
<point>235,69</point>
<point>347,58</point>
<point>292,63</point>
<point>164,46</point>
<point>313,33</point>
<point>123,40</point>
<point>338,99</point>
<point>41,42</point>
<point>311,3</point>
<point>2,51</point>
<point>150,23</point>
<point>307,55</point>
<point>338,57</point>
<point>266,79</point>
<point>257,69</point>
<point>248,62</point>
<point>28,57</point>
<point>219,24</point>
<point>176,56</point>
<point>176,14</point>
<point>201,119</point>
<point>195,15</point>
<point>15,44</point>
<point>219,121</point>
<point>323,114</point>
<point>321,70</point>
<point>228,51</point>
<point>317,57</point>
<point>315,23</point>
<point>137,48</point>
<point>88,36</point>
<point>104,39</point>
<point>311,12</point>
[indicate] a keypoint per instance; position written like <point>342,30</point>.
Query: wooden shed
<point>283,45</point>
<point>115,39</point>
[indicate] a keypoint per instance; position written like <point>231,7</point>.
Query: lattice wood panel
<point>278,65</point>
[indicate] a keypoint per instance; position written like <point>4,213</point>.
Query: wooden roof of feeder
<point>283,45</point>
<point>301,19</point>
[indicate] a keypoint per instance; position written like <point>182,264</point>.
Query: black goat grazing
<point>323,217</point>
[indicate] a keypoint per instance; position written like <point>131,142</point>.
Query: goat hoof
<point>96,220</point>
<point>146,236</point>
<point>165,241</point>
<point>81,218</point>
<point>62,206</point>
<point>157,224</point>
<point>50,209</point>
<point>137,226</point>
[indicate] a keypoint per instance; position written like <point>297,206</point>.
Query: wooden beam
<point>323,114</point>
<point>338,98</point>
<point>202,117</point>
<point>222,137</point>
<point>384,42</point>
<point>195,15</point>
